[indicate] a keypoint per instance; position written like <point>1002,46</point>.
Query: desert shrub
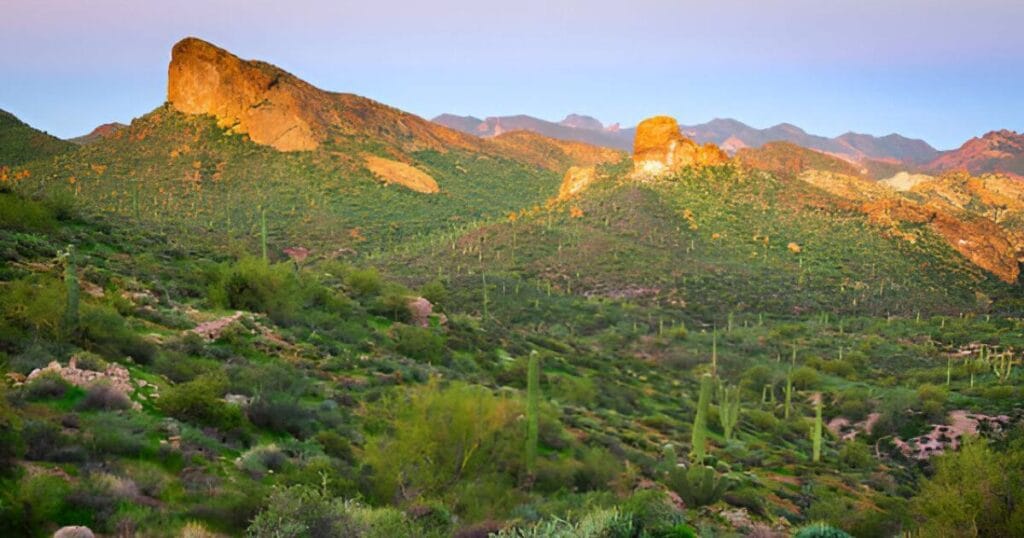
<point>652,512</point>
<point>364,282</point>
<point>104,331</point>
<point>43,495</point>
<point>102,396</point>
<point>749,498</point>
<point>35,303</point>
<point>761,420</point>
<point>820,530</point>
<point>973,494</point>
<point>805,377</point>
<point>87,360</point>
<point>254,285</point>
<point>198,401</point>
<point>258,460</point>
<point>440,436</point>
<point>195,529</point>
<point>281,413</point>
<point>48,385</point>
<point>11,443</point>
<point>418,343</point>
<point>335,445</point>
<point>42,439</point>
<point>22,214</point>
<point>856,455</point>
<point>302,511</point>
<point>435,292</point>
<point>119,434</point>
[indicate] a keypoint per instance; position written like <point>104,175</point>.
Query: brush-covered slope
<point>718,239</point>
<point>21,143</point>
<point>332,171</point>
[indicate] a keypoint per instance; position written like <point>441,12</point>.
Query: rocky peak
<point>270,105</point>
<point>579,121</point>
<point>660,148</point>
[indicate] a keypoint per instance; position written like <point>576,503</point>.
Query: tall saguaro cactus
<point>817,431</point>
<point>532,411</point>
<point>71,284</point>
<point>789,397</point>
<point>263,232</point>
<point>700,420</point>
<point>729,410</point>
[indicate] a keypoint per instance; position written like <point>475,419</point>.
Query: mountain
<point>107,130</point>
<point>20,143</point>
<point>574,127</point>
<point>731,135</point>
<point>331,170</point>
<point>997,151</point>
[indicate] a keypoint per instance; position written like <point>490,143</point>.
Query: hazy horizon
<point>941,71</point>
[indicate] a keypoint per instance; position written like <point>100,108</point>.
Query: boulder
<point>660,148</point>
<point>74,531</point>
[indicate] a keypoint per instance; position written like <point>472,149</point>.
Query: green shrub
<point>46,386</point>
<point>856,455</point>
<point>199,402</point>
<point>303,511</point>
<point>418,343</point>
<point>104,331</point>
<point>364,282</point>
<point>102,396</point>
<point>820,530</point>
<point>21,214</point>
<point>259,460</point>
<point>805,377</point>
<point>441,436</point>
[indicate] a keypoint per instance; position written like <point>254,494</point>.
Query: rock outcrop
<point>395,172</point>
<point>575,181</point>
<point>660,148</point>
<point>273,107</point>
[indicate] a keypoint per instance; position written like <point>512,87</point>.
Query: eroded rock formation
<point>660,148</point>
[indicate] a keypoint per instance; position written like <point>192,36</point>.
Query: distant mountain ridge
<point>732,135</point>
<point>996,151</point>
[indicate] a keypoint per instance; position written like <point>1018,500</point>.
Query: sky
<point>940,70</point>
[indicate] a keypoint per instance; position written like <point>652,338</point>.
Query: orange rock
<point>659,148</point>
<point>978,239</point>
<point>273,107</point>
<point>402,174</point>
<point>575,181</point>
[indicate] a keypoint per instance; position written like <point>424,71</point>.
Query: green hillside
<point>20,143</point>
<point>184,175</point>
<point>713,242</point>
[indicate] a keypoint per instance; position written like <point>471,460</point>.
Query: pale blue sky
<point>936,69</point>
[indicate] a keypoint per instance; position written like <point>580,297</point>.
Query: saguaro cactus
<point>263,233</point>
<point>700,420</point>
<point>816,432</point>
<point>71,284</point>
<point>789,397</point>
<point>729,410</point>
<point>1002,366</point>
<point>532,411</point>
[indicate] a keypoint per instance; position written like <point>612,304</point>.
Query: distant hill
<point>21,143</point>
<point>997,151</point>
<point>731,135</point>
<point>102,132</point>
<point>574,127</point>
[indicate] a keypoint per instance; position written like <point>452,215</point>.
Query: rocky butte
<point>660,148</point>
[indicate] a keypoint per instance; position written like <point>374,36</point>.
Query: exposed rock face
<point>394,172</point>
<point>575,181</point>
<point>660,148</point>
<point>273,107</point>
<point>978,239</point>
<point>998,151</point>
